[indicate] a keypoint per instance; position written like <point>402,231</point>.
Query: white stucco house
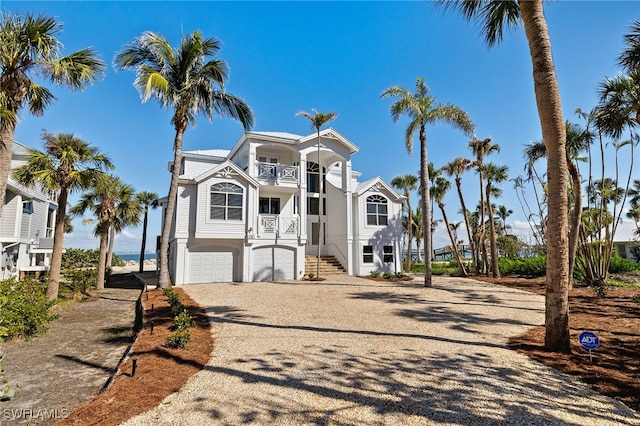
<point>257,212</point>
<point>26,225</point>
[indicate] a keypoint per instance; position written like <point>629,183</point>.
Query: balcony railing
<point>277,173</point>
<point>278,225</point>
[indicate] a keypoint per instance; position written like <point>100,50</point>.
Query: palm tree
<point>127,213</point>
<point>493,175</point>
<point>418,230</point>
<point>495,16</point>
<point>619,106</point>
<point>30,48</point>
<point>69,164</point>
<point>456,168</point>
<point>102,201</point>
<point>629,59</point>
<point>480,149</point>
<point>503,213</point>
<point>146,199</point>
<point>319,119</point>
<point>407,183</point>
<point>190,81</point>
<point>438,191</point>
<point>422,109</point>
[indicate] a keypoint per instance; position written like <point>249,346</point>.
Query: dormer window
<point>226,201</point>
<point>376,210</point>
<point>27,207</point>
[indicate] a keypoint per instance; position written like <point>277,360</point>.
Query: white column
<point>302,208</point>
<point>251,167</point>
<point>348,193</point>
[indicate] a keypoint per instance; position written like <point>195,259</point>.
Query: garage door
<point>214,266</point>
<point>273,263</point>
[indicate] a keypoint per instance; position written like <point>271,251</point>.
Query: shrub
<point>24,309</point>
<point>78,281</point>
<point>417,267</point>
<point>374,274</point>
<point>183,320</point>
<point>85,258</point>
<point>388,275</point>
<point>174,298</point>
<point>178,339</point>
<point>529,266</point>
<point>620,265</point>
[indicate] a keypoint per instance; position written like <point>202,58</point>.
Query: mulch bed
<point>160,371</point>
<point>615,319</point>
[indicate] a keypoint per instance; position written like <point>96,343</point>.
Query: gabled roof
<point>330,133</point>
<point>219,153</point>
<point>376,184</point>
<point>279,135</point>
<point>227,169</point>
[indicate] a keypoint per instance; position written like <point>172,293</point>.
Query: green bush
<point>174,298</point>
<point>387,275</point>
<point>78,281</point>
<point>24,309</point>
<point>184,320</point>
<point>529,266</point>
<point>620,265</point>
<point>85,258</point>
<point>178,339</point>
<point>374,274</point>
<point>417,267</point>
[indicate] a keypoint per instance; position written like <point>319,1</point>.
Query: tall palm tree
<point>619,106</point>
<point>456,168</point>
<point>438,191</point>
<point>30,48</point>
<point>502,212</point>
<point>189,80</point>
<point>480,149</point>
<point>493,175</point>
<point>423,109</point>
<point>629,59</point>
<point>67,165</point>
<point>496,16</point>
<point>126,213</point>
<point>102,201</point>
<point>407,183</point>
<point>146,199</point>
<point>319,119</point>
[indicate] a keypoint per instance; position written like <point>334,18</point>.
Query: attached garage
<point>212,266</point>
<point>273,263</point>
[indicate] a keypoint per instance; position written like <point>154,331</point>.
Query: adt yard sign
<point>589,340</point>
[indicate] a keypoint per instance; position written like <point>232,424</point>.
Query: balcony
<point>278,226</point>
<point>277,174</point>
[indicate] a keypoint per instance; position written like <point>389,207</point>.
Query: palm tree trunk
<point>102,257</point>
<point>58,244</point>
<point>495,271</point>
<point>557,337</point>
<point>454,243</point>
<point>576,218</point>
<point>164,280</point>
<point>112,238</point>
<point>426,212</point>
<point>7,133</point>
<point>144,239</point>
<point>472,244</point>
<point>481,227</point>
<point>409,232</point>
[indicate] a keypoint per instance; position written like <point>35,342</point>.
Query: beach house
<point>26,225</point>
<point>265,210</point>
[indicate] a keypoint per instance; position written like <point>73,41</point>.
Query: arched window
<point>226,201</point>
<point>376,210</point>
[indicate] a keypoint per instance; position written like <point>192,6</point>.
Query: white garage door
<point>213,266</point>
<point>273,263</point>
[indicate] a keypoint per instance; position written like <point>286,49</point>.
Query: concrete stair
<point>329,265</point>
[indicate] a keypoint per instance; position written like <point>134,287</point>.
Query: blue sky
<point>333,56</point>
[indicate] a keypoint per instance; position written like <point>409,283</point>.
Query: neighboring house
<point>26,225</point>
<point>624,239</point>
<point>251,213</point>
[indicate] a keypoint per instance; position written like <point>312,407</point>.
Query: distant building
<point>624,239</point>
<point>26,225</point>
<point>252,213</point>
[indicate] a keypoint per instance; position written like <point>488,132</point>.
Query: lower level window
<point>387,254</point>
<point>367,254</point>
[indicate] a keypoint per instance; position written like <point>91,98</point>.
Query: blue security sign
<point>589,340</point>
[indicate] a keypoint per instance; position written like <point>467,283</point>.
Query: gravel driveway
<point>351,351</point>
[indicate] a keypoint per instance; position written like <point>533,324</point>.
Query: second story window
<point>376,210</point>
<point>226,201</point>
<point>313,178</point>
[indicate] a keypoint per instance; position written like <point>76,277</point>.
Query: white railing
<point>277,173</point>
<point>278,225</point>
